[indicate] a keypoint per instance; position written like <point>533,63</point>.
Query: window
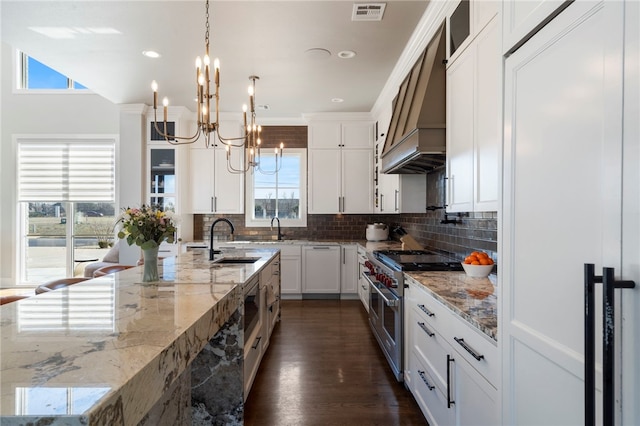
<point>34,75</point>
<point>282,194</point>
<point>66,191</point>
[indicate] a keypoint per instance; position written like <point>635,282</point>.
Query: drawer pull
<point>255,346</point>
<point>426,311</point>
<point>426,330</point>
<point>424,379</point>
<point>467,348</point>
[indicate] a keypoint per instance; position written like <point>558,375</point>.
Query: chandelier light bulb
<point>154,86</point>
<point>250,90</point>
<point>206,60</point>
<point>259,141</point>
<point>198,63</point>
<point>165,102</point>
<point>216,63</point>
<point>201,79</point>
<point>281,145</point>
<point>244,107</point>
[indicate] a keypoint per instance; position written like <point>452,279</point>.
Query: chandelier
<point>250,140</point>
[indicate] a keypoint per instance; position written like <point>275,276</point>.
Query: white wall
<point>38,114</point>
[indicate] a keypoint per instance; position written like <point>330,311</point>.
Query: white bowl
<point>477,271</point>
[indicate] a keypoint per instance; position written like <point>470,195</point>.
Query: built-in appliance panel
<point>431,400</point>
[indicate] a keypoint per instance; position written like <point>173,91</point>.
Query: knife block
<point>409,243</point>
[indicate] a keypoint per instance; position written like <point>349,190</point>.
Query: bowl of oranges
<point>478,264</point>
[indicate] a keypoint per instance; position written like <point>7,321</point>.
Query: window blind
<point>74,171</point>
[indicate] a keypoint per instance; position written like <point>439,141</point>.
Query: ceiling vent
<point>368,11</point>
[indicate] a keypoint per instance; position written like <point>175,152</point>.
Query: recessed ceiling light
<point>337,100</point>
<point>151,54</point>
<point>346,54</point>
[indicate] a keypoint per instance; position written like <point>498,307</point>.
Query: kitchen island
<point>116,351</point>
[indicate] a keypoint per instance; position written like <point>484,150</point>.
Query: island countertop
<point>104,351</point>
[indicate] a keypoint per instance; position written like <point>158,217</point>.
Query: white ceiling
<point>264,38</point>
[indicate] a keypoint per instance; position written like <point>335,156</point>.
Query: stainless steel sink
<point>236,260</point>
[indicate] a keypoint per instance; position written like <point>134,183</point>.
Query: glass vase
<point>150,272</point>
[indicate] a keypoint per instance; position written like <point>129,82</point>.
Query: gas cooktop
<point>417,260</point>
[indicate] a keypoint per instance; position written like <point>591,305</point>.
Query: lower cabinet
<point>321,269</point>
<point>363,285</point>
<point>261,312</point>
<point>290,269</point>
<point>450,365</point>
<point>349,271</point>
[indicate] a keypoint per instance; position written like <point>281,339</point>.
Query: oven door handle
<point>392,303</point>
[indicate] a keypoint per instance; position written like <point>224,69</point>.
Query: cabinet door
<point>325,135</point>
<point>487,120</point>
<point>228,186</point>
<point>349,270</point>
<point>324,181</point>
<point>321,269</point>
<point>460,106</point>
<point>475,400</point>
<point>568,77</point>
<point>357,135</point>
<point>290,274</point>
<point>357,181</point>
<point>522,17</point>
<point>201,180</point>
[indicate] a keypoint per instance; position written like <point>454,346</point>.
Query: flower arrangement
<point>147,226</point>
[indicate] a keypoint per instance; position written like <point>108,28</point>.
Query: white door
<point>357,181</point>
<point>561,205</point>
<point>229,186</point>
<point>324,181</point>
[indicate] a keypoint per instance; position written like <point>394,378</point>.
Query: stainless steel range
<point>385,274</point>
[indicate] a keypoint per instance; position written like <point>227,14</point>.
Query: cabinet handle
<point>321,247</point>
<point>381,202</point>
<point>426,311</point>
<point>255,346</point>
<point>424,379</point>
<point>426,330</point>
<point>468,348</point>
<point>344,256</point>
<point>450,185</point>
<point>213,209</point>
<point>396,200</point>
<point>449,400</point>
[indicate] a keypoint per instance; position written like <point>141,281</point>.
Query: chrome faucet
<point>211,250</point>
<point>279,233</point>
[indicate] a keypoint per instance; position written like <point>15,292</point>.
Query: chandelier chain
<point>206,33</point>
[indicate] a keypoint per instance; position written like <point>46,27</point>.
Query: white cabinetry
<point>452,368</point>
<point>321,269</point>
<point>290,269</point>
<point>522,18</point>
<point>214,189</point>
<point>348,270</point>
<point>340,167</point>
<point>473,124</point>
<point>397,193</point>
<point>363,284</point>
<point>566,97</point>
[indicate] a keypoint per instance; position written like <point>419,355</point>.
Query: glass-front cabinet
<point>162,184</point>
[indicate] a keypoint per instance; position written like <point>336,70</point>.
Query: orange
<point>475,262</point>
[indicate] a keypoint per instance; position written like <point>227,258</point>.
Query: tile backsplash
<point>475,231</point>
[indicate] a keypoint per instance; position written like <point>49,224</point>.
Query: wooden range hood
<point>416,139</point>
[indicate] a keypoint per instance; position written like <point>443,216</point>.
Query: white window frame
<point>291,223</point>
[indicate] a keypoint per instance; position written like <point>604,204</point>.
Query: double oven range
<point>385,274</point>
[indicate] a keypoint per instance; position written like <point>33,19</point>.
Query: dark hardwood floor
<point>324,367</point>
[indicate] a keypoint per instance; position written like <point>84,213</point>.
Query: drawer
<point>431,400</point>
<point>432,312</point>
<point>432,347</point>
<point>471,344</point>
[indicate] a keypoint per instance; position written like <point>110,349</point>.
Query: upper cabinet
<point>466,21</point>
<point>522,19</point>
<point>396,193</point>
<point>340,167</point>
<point>473,123</point>
<point>213,187</point>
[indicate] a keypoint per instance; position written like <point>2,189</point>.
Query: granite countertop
<point>473,299</point>
<point>114,341</point>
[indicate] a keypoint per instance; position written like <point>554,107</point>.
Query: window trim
<point>291,223</point>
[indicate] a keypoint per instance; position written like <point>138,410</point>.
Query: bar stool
<point>56,284</point>
<point>8,299</point>
<point>110,269</point>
